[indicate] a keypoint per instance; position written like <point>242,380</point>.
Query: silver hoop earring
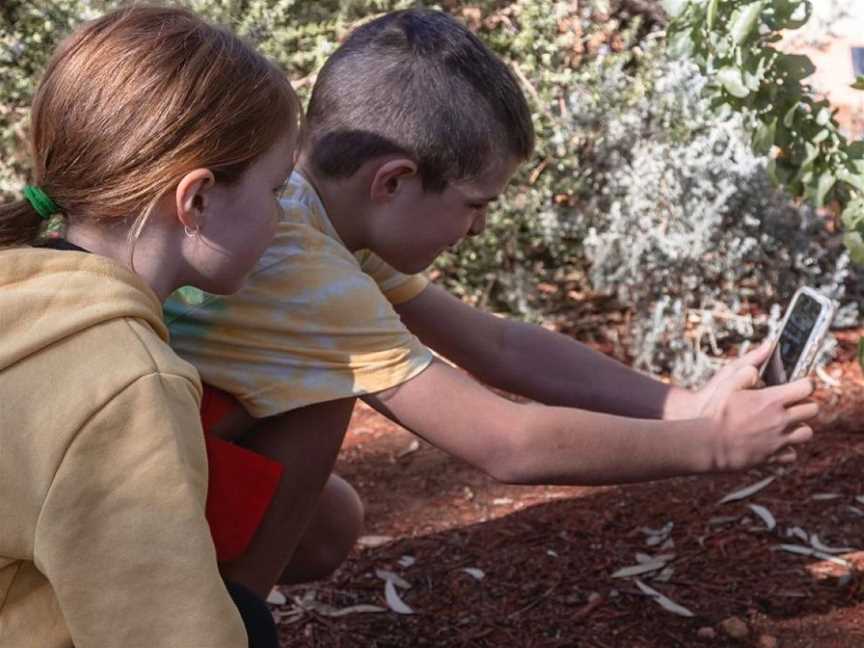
<point>190,231</point>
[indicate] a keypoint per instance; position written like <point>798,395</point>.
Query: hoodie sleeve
<point>122,535</point>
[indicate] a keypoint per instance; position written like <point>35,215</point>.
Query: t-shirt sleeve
<point>310,326</point>
<point>122,535</point>
<point>398,288</point>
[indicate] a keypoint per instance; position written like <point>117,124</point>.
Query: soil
<point>547,554</point>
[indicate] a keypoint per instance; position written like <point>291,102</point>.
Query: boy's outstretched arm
<point>532,443</point>
<point>542,365</point>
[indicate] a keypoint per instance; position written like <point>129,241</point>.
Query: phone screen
<point>793,339</point>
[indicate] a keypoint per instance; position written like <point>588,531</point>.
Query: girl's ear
<point>389,177</point>
<point>192,197</point>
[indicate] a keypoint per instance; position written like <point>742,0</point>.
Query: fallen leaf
<point>393,577</point>
<point>663,601</point>
<point>407,561</point>
<point>357,609</point>
<point>747,491</point>
<point>502,501</point>
<point>642,568</point>
<point>309,602</point>
<point>414,446</point>
<point>817,544</point>
<point>826,378</point>
<point>765,515</point>
<point>374,540</point>
<point>723,519</point>
<point>275,597</point>
<point>475,573</point>
<point>824,497</point>
<point>662,531</point>
<point>393,601</point>
<point>815,553</point>
<point>665,575</point>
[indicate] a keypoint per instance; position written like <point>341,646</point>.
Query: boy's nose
<point>478,225</point>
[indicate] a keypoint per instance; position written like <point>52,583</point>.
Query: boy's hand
<point>704,397</point>
<point>753,426</point>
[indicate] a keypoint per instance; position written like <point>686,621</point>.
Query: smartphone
<point>802,332</point>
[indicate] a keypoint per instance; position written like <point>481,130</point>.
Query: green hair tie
<point>41,202</point>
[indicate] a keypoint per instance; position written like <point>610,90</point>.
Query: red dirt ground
<point>548,552</point>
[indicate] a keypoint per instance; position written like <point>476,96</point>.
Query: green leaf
<point>855,150</point>
<point>855,244</point>
<point>853,215</point>
<point>711,15</point>
<point>852,178</point>
<point>679,44</point>
<point>823,187</point>
<point>675,7</point>
<point>763,137</point>
<point>822,135</point>
<point>791,14</point>
<point>730,79</point>
<point>796,66</point>
<point>859,82</point>
<point>823,116</point>
<point>744,21</point>
<point>789,117</point>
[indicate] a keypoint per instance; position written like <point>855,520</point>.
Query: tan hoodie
<point>103,473</point>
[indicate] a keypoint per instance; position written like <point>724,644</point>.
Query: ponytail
<point>19,224</point>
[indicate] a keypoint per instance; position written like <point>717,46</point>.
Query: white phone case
<point>816,337</point>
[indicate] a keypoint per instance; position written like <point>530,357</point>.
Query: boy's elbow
<point>510,459</point>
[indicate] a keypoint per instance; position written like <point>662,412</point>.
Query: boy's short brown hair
<point>420,84</point>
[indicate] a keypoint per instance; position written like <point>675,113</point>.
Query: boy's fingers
<point>800,434</point>
<point>803,412</point>
<point>794,391</point>
<point>784,456</point>
<point>756,357</point>
<point>744,378</point>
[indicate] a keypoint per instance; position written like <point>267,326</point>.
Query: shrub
<point>637,190</point>
<point>688,229</point>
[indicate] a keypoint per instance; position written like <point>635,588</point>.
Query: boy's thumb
<point>757,356</point>
<point>744,378</point>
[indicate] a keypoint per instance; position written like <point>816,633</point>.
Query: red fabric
<point>242,482</point>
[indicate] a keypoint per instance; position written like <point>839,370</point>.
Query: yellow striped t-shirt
<point>313,323</point>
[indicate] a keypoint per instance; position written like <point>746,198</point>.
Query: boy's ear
<point>191,197</point>
<point>388,178</point>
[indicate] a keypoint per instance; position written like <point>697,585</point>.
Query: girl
<point>162,140</point>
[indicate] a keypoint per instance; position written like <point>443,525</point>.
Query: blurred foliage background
<point>643,223</point>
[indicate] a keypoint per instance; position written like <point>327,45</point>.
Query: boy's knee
<point>332,534</point>
<point>345,512</point>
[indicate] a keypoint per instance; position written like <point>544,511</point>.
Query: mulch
<point>547,554</point>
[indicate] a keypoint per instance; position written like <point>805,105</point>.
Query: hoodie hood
<point>48,295</point>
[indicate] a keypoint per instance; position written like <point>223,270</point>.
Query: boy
<point>414,128</point>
